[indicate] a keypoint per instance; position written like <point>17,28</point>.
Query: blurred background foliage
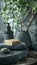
<point>15,10</point>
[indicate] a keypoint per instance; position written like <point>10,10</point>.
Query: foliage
<point>14,9</point>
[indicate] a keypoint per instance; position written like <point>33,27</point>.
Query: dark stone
<point>24,37</point>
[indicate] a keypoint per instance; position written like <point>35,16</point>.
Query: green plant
<point>15,9</point>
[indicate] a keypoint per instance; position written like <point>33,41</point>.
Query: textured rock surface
<point>32,30</point>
